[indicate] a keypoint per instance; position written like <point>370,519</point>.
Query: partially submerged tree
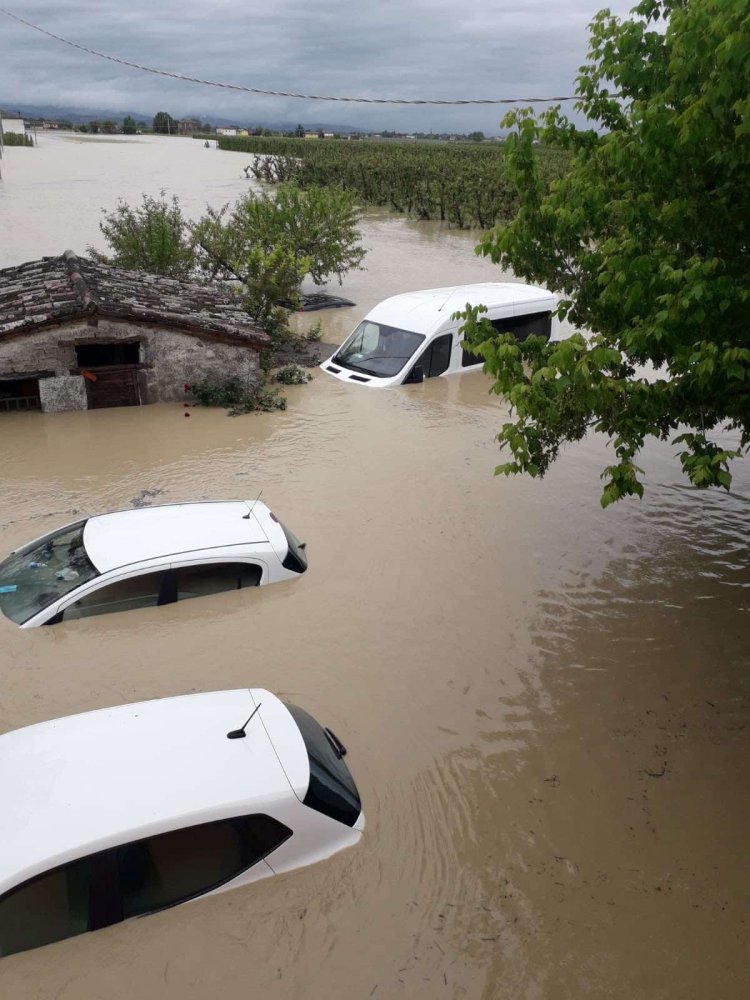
<point>647,242</point>
<point>154,236</point>
<point>316,230</point>
<point>267,243</point>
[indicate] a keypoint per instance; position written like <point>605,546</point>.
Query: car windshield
<point>44,571</point>
<point>378,350</point>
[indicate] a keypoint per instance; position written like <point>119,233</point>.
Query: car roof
<point>80,784</point>
<point>126,537</point>
<point>423,310</point>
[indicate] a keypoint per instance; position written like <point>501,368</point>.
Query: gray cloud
<point>437,49</point>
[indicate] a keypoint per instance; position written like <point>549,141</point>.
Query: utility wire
<point>273,93</point>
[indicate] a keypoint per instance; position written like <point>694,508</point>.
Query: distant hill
<point>79,115</point>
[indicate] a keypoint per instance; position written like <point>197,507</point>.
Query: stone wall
<point>171,359</point>
<point>62,392</point>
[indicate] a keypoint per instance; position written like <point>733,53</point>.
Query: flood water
<point>546,704</point>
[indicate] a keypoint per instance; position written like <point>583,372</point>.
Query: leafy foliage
<point>17,139</point>
<point>292,375</point>
<point>129,126</point>
<point>465,184</point>
<point>154,236</point>
<point>236,396</point>
<point>270,241</point>
<point>647,242</point>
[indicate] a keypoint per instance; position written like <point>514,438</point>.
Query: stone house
<point>78,335</point>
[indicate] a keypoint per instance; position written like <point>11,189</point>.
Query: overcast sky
<point>438,49</point>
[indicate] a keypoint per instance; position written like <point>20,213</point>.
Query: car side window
<point>199,581</point>
<point>123,595</point>
<point>48,908</point>
<point>172,867</point>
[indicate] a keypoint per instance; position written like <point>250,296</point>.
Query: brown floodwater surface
<point>545,704</point>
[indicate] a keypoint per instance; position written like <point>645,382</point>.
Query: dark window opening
<point>539,324</point>
<point>331,790</point>
<point>176,866</point>
<point>123,595</point>
<point>99,355</point>
<point>142,877</point>
<point>468,359</point>
<point>19,394</point>
<point>201,581</point>
<point>51,907</point>
<point>437,357</point>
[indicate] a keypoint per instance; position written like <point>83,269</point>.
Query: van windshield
<point>377,349</point>
<point>43,572</point>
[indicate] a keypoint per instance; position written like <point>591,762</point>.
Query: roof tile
<point>55,290</point>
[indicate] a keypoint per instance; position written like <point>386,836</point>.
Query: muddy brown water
<point>546,704</point>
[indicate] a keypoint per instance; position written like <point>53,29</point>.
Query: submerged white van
<point>410,337</point>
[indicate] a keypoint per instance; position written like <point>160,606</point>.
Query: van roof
<point>125,537</point>
<point>423,311</point>
<point>81,784</point>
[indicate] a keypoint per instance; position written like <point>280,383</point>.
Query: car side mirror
<point>415,375</point>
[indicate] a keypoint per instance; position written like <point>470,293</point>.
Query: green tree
<point>316,229</point>
<point>154,236</point>
<point>647,242</point>
<point>476,136</point>
<point>164,123</point>
<point>129,126</point>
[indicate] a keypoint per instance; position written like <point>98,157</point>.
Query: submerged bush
<point>236,396</point>
<point>292,375</point>
<point>17,139</point>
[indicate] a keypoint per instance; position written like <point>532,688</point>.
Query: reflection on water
<point>545,703</point>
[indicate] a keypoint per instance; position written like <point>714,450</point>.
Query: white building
<point>12,122</point>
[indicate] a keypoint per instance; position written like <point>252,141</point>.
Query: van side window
<point>468,359</point>
<point>122,595</point>
<point>199,581</point>
<point>521,327</point>
<point>48,908</point>
<point>437,357</point>
<point>539,324</point>
<point>172,867</point>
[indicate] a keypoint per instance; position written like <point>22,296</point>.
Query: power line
<point>273,93</point>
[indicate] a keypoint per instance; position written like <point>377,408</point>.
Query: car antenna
<point>448,298</point>
<point>240,734</point>
<point>246,517</point>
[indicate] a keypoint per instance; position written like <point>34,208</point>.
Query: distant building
<point>186,126</point>
<point>12,122</point>
<point>227,131</point>
<point>77,335</point>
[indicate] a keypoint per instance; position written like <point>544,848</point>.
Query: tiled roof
<point>56,290</point>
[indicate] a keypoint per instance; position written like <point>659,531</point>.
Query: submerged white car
<point>411,337</point>
<point>129,810</point>
<point>146,557</point>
